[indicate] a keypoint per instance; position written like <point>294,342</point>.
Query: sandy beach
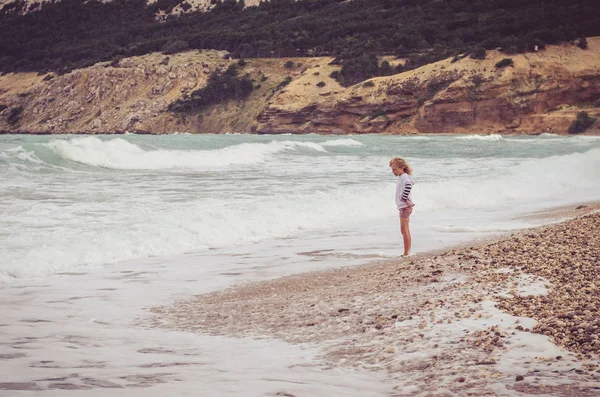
<point>513,316</point>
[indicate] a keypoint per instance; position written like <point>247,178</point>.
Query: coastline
<point>458,133</point>
<point>495,317</point>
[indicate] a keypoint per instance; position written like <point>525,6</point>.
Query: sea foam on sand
<point>428,325</point>
<point>430,322</point>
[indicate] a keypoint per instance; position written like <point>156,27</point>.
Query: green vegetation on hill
<point>70,34</point>
<point>220,87</point>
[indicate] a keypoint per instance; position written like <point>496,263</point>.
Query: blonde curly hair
<point>401,163</point>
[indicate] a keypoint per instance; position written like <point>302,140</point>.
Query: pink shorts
<point>405,212</point>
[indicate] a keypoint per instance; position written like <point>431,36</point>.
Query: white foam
<point>121,154</point>
<point>472,229</point>
<point>87,334</point>
<point>420,138</point>
<point>525,285</point>
<point>587,137</point>
<point>132,228</point>
<point>553,178</point>
<point>491,137</point>
<point>21,153</point>
<point>521,353</point>
<point>342,142</point>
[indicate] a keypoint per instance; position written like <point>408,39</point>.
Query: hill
<point>73,34</point>
<point>533,93</point>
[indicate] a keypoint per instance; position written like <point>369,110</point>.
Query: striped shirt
<point>404,185</point>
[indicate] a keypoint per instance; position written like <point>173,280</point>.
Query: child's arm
<point>406,190</point>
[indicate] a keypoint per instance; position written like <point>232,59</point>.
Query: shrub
<point>14,115</point>
<point>477,80</point>
<point>242,62</point>
<point>385,69</point>
<point>582,43</point>
<point>479,53</point>
<point>321,84</point>
<point>115,62</point>
<point>581,123</point>
<point>357,69</point>
<point>173,47</point>
<point>283,83</point>
<point>289,65</point>
<point>504,63</point>
<point>221,86</point>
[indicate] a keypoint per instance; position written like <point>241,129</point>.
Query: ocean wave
<point>56,241</point>
<point>121,154</point>
<point>549,135</point>
<point>548,179</point>
<point>105,217</point>
<point>587,137</point>
<point>20,153</point>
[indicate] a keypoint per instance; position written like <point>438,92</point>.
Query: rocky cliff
<point>539,92</point>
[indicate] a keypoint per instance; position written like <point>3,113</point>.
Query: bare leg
<point>405,230</point>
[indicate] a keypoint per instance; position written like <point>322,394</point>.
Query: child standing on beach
<point>404,184</point>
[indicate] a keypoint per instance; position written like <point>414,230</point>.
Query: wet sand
<point>512,316</point>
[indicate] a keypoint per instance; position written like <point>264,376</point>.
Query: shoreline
<point>434,322</point>
<point>41,133</point>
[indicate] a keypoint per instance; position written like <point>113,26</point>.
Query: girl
<point>404,184</point>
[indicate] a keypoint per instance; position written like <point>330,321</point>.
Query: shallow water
<point>96,230</point>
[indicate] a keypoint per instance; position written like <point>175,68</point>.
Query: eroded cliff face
<point>132,95</point>
<point>541,92</point>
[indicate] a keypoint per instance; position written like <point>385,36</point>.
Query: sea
<point>96,230</point>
